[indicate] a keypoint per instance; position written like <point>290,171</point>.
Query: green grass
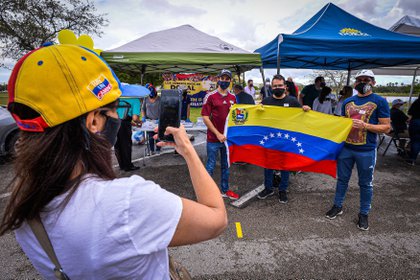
<point>194,114</point>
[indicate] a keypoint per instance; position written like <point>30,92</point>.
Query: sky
<point>248,24</point>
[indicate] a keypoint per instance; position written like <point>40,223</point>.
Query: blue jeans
<point>268,179</point>
<point>414,131</point>
<point>365,162</point>
<point>150,135</point>
<point>212,149</point>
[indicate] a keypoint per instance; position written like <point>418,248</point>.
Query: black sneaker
<point>265,193</point>
<point>283,197</point>
<point>363,224</point>
<point>334,212</point>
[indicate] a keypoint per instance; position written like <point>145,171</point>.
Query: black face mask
<point>223,84</point>
<point>110,131</point>
<point>251,85</point>
<point>322,84</point>
<point>278,91</point>
<point>363,88</point>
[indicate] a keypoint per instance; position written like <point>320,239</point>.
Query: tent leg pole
<point>348,76</point>
<point>243,77</point>
<point>412,86</point>
<point>264,85</point>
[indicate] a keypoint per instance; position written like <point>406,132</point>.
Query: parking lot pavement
<point>292,240</point>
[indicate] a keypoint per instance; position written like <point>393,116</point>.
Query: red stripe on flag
<point>274,159</point>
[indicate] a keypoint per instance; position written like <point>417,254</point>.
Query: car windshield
<point>4,114</point>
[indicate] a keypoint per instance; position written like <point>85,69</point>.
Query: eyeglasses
<point>363,80</point>
<point>277,86</point>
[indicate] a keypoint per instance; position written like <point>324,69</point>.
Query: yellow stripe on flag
<point>312,123</point>
<point>238,229</point>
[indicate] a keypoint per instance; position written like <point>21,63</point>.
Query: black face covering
<point>110,131</point>
<point>323,84</point>
<point>363,88</point>
<point>278,92</point>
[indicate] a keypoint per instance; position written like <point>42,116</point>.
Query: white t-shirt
<point>250,91</point>
<point>325,107</point>
<point>116,229</point>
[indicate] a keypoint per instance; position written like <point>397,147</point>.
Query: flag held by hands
<point>284,138</point>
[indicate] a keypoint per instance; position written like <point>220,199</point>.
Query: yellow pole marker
<point>238,229</point>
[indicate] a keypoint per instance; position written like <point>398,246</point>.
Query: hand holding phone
<point>170,113</point>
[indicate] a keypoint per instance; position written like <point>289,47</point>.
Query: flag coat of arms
<point>284,138</point>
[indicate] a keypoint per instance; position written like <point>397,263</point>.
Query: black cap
<point>225,72</point>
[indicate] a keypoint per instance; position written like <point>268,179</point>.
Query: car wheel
<point>11,143</point>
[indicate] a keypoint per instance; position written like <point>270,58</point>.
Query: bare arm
<point>213,129</point>
<point>384,125</point>
<point>206,218</point>
<point>300,99</point>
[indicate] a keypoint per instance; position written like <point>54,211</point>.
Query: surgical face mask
<point>278,91</point>
<point>363,88</point>
<point>223,84</point>
<point>110,131</point>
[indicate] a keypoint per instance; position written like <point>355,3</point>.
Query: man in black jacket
<point>241,96</point>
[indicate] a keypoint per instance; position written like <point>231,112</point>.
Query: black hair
<point>323,95</point>
<point>319,79</point>
<point>278,77</point>
<point>238,87</point>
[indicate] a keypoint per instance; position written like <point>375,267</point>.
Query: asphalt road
<point>282,241</point>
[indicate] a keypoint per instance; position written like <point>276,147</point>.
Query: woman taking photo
<point>64,100</point>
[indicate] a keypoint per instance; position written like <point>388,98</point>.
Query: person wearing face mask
<point>279,98</point>
<point>250,88</point>
<point>310,92</point>
<point>64,99</point>
<point>371,115</point>
<point>266,90</point>
<point>128,112</point>
<point>216,106</point>
<point>186,104</point>
<point>151,111</point>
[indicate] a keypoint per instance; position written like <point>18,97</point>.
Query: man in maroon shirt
<point>215,110</point>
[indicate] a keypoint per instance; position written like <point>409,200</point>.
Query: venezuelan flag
<point>284,138</point>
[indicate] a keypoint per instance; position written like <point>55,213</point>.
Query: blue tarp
<point>336,40</point>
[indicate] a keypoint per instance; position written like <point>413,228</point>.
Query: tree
<point>27,24</point>
<point>334,78</point>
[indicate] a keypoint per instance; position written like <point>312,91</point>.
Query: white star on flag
<point>262,142</point>
<point>301,151</point>
<point>293,139</point>
<point>265,137</point>
<point>299,144</point>
<point>278,134</point>
<point>286,136</point>
<point>271,135</point>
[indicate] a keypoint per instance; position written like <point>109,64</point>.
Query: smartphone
<point>170,112</point>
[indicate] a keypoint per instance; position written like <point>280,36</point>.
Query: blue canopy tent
<point>336,40</point>
<point>133,91</point>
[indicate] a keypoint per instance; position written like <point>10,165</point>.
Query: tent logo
<point>352,32</point>
<point>226,47</point>
<point>239,115</point>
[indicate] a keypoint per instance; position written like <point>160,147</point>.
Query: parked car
<point>9,132</point>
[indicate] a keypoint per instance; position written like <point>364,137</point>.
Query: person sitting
<point>414,131</point>
<point>399,124</point>
<point>100,226</point>
<point>323,103</point>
